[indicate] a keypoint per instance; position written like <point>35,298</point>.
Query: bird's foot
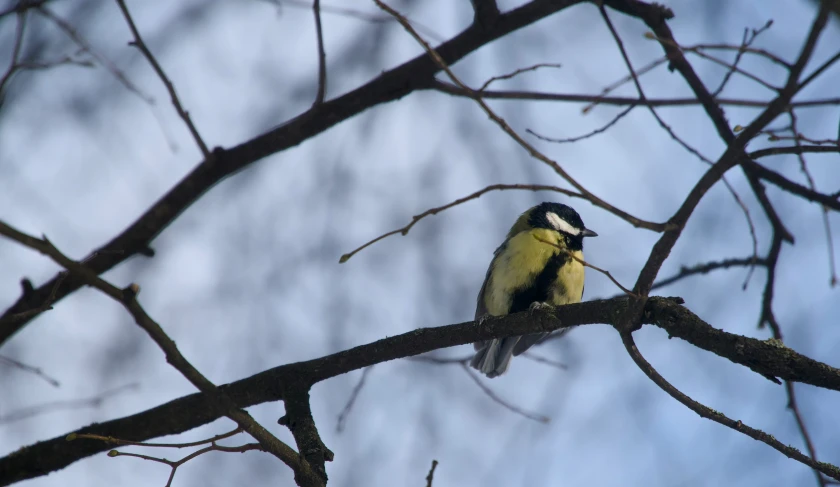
<point>541,307</point>
<point>482,319</point>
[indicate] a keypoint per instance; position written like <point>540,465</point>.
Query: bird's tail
<point>493,356</point>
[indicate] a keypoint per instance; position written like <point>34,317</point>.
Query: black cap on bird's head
<point>560,218</point>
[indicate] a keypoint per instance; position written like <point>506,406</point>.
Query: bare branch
<point>322,55</point>
<point>800,149</point>
<point>720,418</point>
<point>431,476</point>
<point>708,267</point>
<point>517,72</point>
<point>586,264</point>
<point>656,227</point>
<point>415,74</point>
<point>511,407</point>
<point>351,401</point>
<point>794,188</point>
<point>117,441</point>
<point>532,151</point>
<point>10,362</point>
<point>597,131</point>
<point>455,90</point>
<point>800,424</point>
<point>140,45</point>
<point>85,46</point>
<point>655,16</point>
<point>40,409</point>
<point>767,357</point>
<point>667,128</point>
<point>732,67</point>
<point>749,37</point>
<point>355,14</point>
<point>463,363</point>
<point>128,298</point>
<point>542,360</point>
<point>173,465</point>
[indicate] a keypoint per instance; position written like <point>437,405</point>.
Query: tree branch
<point>176,102</point>
<point>709,413</point>
<point>218,401</point>
<point>768,357</point>
<point>416,74</point>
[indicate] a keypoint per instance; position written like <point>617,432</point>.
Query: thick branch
<point>768,357</point>
<point>795,188</point>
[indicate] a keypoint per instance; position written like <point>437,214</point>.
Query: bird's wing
<point>480,307</point>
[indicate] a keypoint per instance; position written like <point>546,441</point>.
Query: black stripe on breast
<point>539,290</point>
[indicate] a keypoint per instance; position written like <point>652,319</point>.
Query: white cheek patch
<point>560,224</point>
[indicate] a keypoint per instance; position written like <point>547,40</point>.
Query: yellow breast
<point>521,261</point>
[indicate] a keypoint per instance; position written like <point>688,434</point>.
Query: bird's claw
<point>482,319</point>
<point>540,307</point>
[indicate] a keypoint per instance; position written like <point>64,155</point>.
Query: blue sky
<point>248,277</point>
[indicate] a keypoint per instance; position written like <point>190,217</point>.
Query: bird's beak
<point>588,233</point>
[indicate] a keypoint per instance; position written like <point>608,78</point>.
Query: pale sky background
<point>248,278</point>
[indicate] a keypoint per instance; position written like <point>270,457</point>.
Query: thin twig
<point>455,90</point>
<point>517,72</point>
<point>140,45</point>
<point>28,368</point>
<point>670,131</point>
<point>586,264</point>
<point>173,465</point>
<point>766,317</point>
<point>532,151</point>
<point>463,362</point>
<point>803,166</point>
<point>773,137</point>
<point>708,267</point>
<point>532,416</point>
<point>748,39</point>
<point>638,223</point>
<point>729,72</point>
<point>800,424</point>
<point>594,100</point>
<point>351,401</point>
<point>322,55</point>
<point>626,79</point>
<point>431,476</point>
<point>827,64</point>
<point>117,441</point>
<point>40,409</point>
<point>546,361</point>
<point>20,30</point>
<point>735,68</point>
<point>355,14</point>
<point>46,305</point>
<point>85,46</point>
<point>724,47</point>
<point>597,131</point>
<point>800,149</point>
<point>128,298</point>
<point>708,413</point>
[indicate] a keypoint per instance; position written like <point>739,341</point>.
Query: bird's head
<point>554,216</point>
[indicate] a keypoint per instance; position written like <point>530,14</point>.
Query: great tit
<point>527,273</point>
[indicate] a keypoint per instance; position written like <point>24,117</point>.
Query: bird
<point>533,268</point>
